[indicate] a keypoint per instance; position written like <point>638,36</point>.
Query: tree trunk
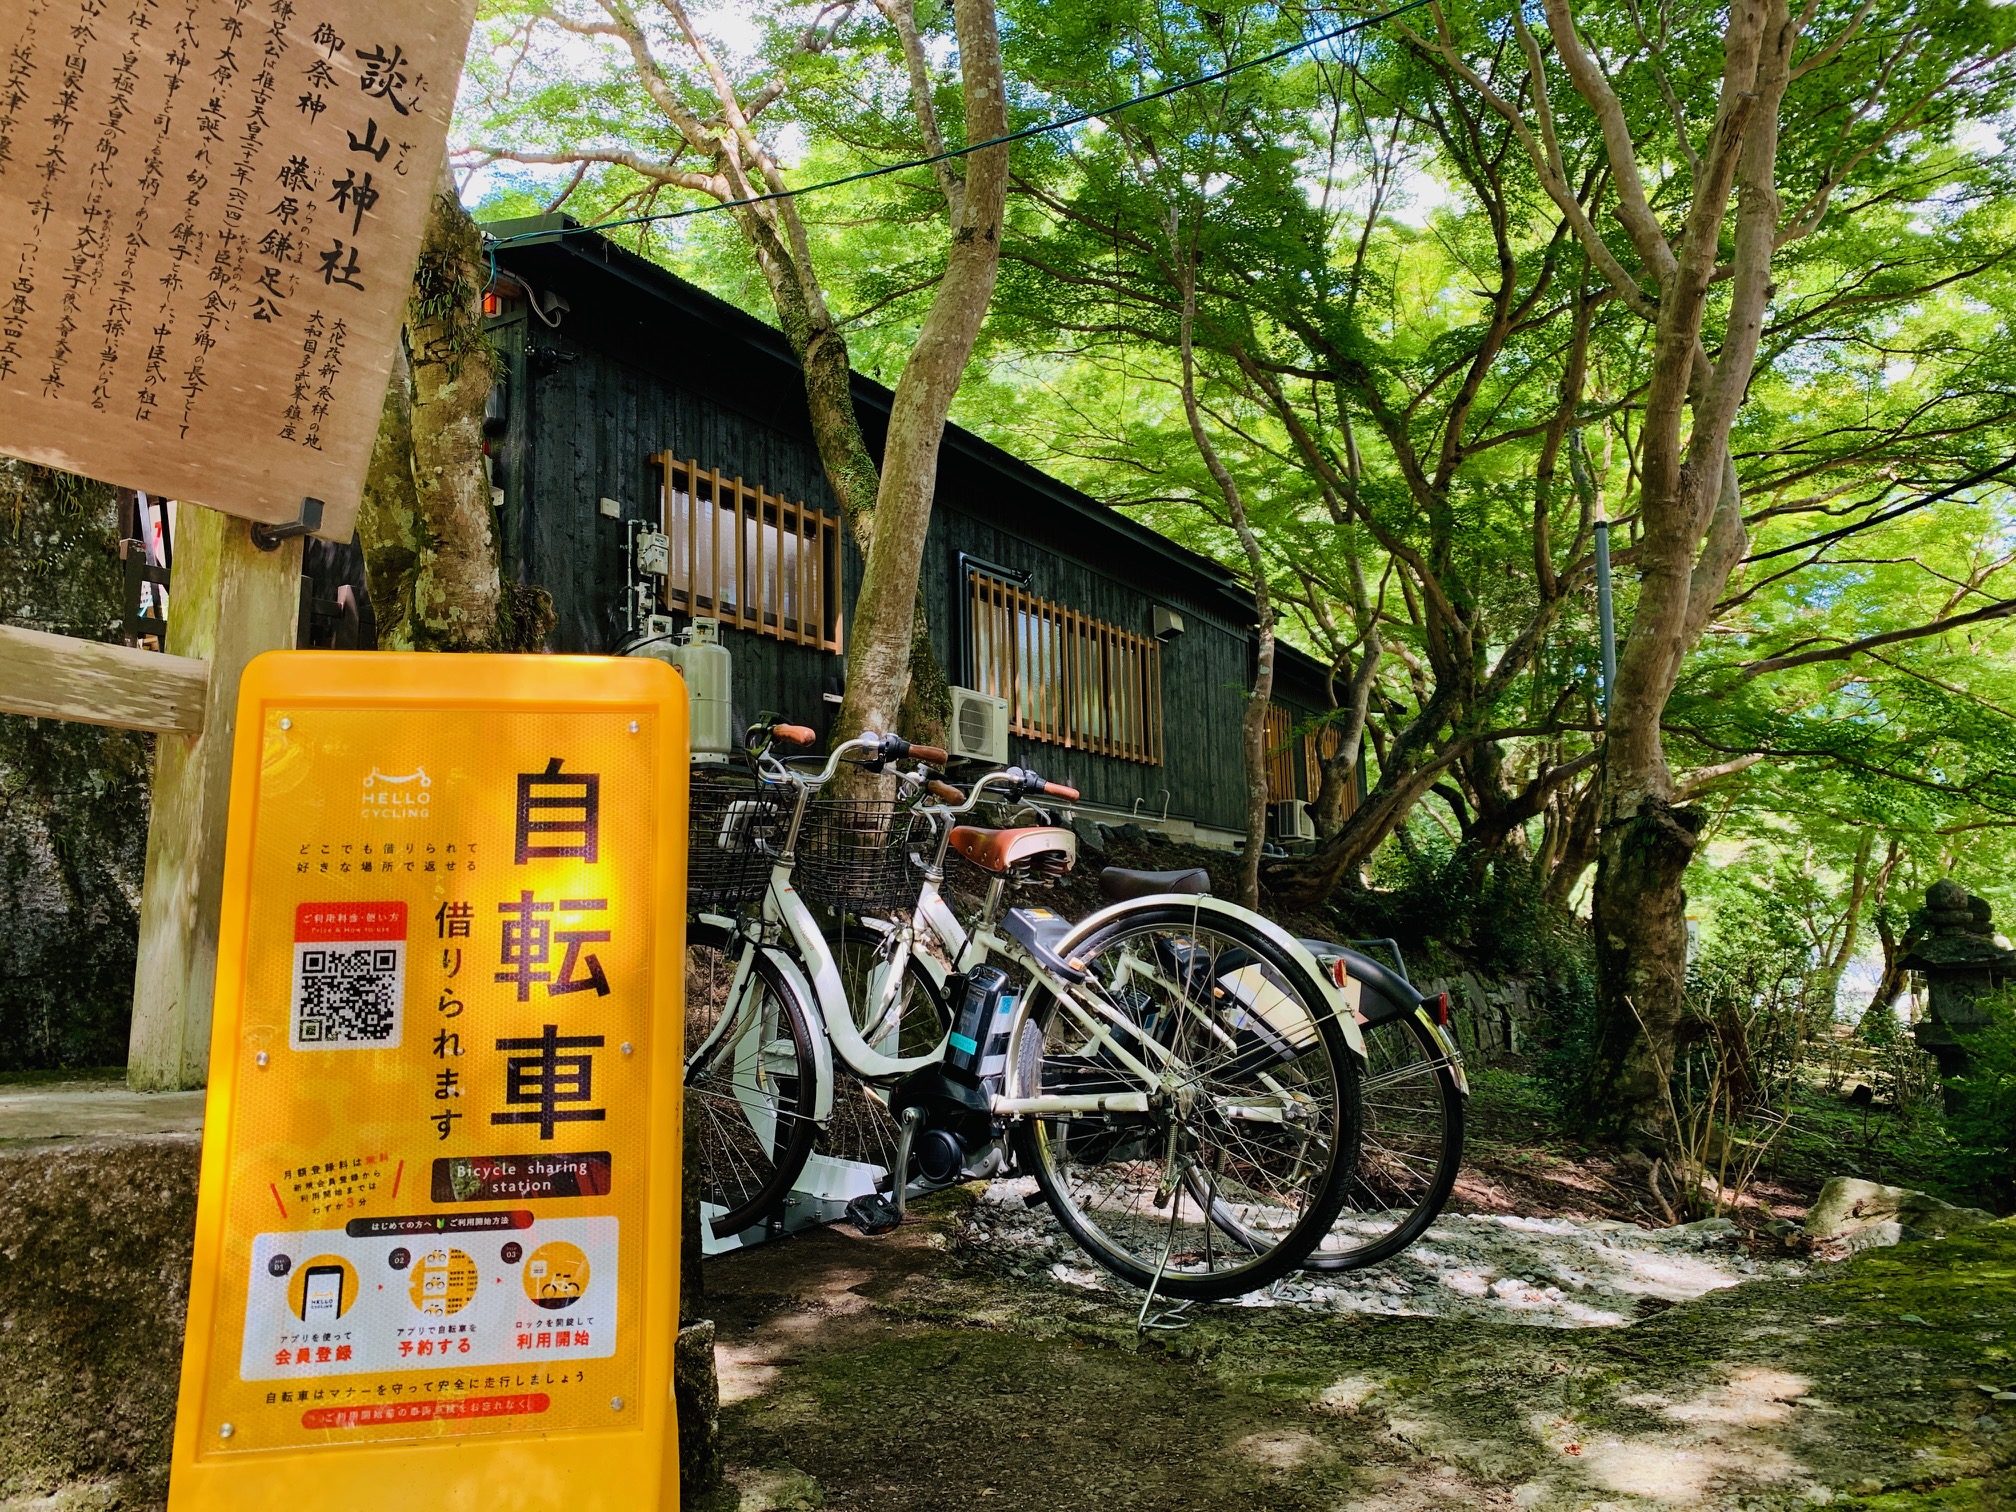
<point>1879,1021</point>
<point>1691,532</point>
<point>388,524</point>
<point>427,528</point>
<point>1340,772</point>
<point>1578,846</point>
<point>927,703</point>
<point>1641,961</point>
<point>1253,725</point>
<point>836,430</point>
<point>1408,767</point>
<point>457,592</point>
<point>885,615</point>
<point>1253,722</point>
<point>1826,983</point>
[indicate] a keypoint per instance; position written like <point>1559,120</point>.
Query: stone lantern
<point>1952,943</point>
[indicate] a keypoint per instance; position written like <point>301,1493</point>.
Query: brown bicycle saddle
<point>1051,847</point>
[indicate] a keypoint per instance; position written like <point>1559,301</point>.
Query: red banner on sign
<point>319,923</point>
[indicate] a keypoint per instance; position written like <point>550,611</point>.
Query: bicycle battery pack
<point>986,1012</point>
<point>1269,1023</point>
<point>957,1093</point>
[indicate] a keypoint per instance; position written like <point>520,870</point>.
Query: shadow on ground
<point>886,1374</point>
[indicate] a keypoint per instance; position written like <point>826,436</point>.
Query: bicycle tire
<point>1037,1147</point>
<point>727,1136</point>
<point>1399,1050</point>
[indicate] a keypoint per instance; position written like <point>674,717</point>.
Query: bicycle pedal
<point>873,1214</point>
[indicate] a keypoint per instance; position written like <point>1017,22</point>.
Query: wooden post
<point>231,602</point>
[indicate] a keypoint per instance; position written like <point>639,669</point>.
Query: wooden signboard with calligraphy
<point>209,216</point>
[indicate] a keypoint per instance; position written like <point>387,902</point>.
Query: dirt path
<point>889,1374</point>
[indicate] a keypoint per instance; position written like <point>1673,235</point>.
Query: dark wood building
<point>629,395</point>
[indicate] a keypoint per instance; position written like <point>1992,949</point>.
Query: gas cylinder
<point>708,668</point>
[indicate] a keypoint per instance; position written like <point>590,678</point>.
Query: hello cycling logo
<point>409,796</point>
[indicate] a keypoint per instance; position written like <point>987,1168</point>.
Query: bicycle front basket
<point>853,856</point>
<point>732,834</point>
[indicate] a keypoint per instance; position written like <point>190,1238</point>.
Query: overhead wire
<point>1061,123</point>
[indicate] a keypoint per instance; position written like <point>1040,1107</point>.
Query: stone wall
<point>73,797</point>
<point>1489,1017</point>
<point>95,1242</point>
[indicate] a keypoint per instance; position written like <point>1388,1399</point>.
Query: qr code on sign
<point>348,996</point>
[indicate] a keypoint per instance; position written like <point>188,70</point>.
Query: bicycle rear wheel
<point>1410,1150</point>
<point>752,1091</point>
<point>1240,1164</point>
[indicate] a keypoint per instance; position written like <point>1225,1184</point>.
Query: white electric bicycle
<point>1177,1073</point>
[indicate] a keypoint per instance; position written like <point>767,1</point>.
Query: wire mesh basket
<point>853,856</point>
<point>732,837</point>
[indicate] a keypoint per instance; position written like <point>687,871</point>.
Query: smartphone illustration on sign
<point>322,1294</point>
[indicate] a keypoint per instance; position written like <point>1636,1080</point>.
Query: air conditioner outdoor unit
<point>1290,819</point>
<point>979,726</point>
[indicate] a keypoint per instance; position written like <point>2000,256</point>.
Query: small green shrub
<point>1981,1106</point>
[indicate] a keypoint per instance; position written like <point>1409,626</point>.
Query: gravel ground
<point>1547,1272</point>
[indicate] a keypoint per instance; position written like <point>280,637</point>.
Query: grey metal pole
<point>1605,620</point>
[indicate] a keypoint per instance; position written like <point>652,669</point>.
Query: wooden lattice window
<point>750,559</point>
<point>1280,754</point>
<point>1319,746</point>
<point>1069,679</point>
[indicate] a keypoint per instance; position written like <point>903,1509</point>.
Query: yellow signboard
<point>440,1189</point>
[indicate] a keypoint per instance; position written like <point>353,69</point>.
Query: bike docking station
<point>824,1193</point>
<point>437,1233</point>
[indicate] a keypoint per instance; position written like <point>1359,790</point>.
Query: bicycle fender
<point>1388,995</point>
<point>1445,1045</point>
<point>1204,905</point>
<point>822,1047</point>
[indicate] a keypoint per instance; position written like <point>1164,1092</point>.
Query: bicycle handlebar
<point>1025,783</point>
<point>774,770</point>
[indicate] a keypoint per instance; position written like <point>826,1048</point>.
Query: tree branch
<point>2000,609</point>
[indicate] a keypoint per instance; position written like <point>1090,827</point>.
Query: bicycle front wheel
<point>751,1083</point>
<point>1410,1151</point>
<point>1239,1165</point>
<point>905,1021</point>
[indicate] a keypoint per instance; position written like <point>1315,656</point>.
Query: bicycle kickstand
<point>1169,1319</point>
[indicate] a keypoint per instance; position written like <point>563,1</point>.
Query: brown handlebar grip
<point>944,790</point>
<point>1060,790</point>
<point>930,755</point>
<point>794,734</point>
